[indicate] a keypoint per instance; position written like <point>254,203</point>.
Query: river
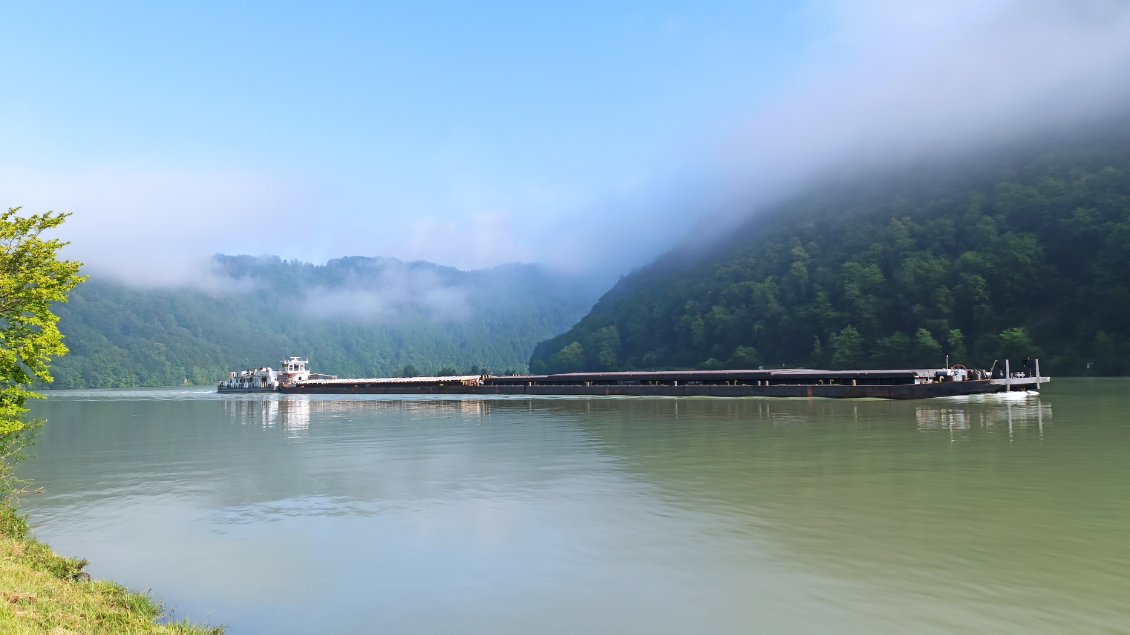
<point>319,514</point>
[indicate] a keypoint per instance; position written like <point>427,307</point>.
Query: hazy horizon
<point>586,140</point>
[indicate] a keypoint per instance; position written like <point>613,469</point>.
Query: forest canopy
<point>354,317</point>
<point>1018,252</point>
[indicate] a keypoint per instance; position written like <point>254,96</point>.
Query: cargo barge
<point>881,384</point>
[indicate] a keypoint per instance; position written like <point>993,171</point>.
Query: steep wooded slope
<point>1023,250</point>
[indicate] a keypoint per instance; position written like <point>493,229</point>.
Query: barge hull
<point>892,391</point>
<point>543,388</point>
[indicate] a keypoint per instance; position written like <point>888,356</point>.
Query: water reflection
<point>1013,414</point>
<point>293,412</point>
<point>299,513</point>
<point>933,505</point>
<point>261,412</point>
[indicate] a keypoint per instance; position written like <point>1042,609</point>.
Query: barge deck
<point>881,384</point>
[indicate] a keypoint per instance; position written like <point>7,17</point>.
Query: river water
<point>310,514</point>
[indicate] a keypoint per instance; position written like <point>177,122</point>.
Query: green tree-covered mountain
<point>357,317</point>
<point>1020,251</point>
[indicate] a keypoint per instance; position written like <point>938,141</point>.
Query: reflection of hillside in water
<point>940,504</point>
<point>921,503</point>
<point>359,456</point>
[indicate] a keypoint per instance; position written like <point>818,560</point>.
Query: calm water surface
<point>273,514</point>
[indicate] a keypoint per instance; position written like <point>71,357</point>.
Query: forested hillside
<point>1020,251</point>
<point>358,317</point>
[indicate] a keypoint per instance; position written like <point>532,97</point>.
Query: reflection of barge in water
<point>883,384</point>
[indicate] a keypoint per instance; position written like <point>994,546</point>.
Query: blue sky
<point>465,133</point>
<point>287,86</point>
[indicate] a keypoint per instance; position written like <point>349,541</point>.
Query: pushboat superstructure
<point>291,371</point>
<point>252,380</point>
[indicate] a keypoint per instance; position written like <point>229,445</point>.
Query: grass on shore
<point>43,592</point>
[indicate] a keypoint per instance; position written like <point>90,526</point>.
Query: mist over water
<point>401,514</point>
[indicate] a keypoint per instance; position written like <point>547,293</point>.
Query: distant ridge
<point>353,316</point>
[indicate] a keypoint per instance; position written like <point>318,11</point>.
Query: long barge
<point>882,384</point>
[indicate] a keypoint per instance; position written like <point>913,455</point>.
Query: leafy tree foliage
<point>1019,251</point>
<point>32,279</point>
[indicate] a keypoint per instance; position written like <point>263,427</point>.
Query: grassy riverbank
<point>43,592</point>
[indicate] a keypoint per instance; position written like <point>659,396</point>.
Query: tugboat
<point>294,370</point>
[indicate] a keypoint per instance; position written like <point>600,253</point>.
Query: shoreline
<point>44,592</point>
